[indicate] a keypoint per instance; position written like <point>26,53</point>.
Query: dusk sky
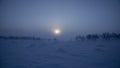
<point>72,17</point>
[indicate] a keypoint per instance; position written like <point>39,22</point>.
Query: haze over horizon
<point>72,17</point>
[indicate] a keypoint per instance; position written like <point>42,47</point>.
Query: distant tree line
<point>104,36</point>
<point>26,38</point>
<point>22,37</point>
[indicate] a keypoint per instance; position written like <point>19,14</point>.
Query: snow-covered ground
<point>59,54</point>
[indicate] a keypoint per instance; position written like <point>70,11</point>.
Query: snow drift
<point>59,54</point>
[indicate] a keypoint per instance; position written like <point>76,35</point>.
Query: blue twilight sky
<point>73,17</point>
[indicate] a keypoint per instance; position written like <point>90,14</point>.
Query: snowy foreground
<point>56,54</point>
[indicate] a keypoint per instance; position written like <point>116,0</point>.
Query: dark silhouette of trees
<point>110,36</point>
<point>106,36</point>
<point>103,36</point>
<point>55,39</point>
<point>115,36</point>
<point>21,37</point>
<point>92,36</point>
<point>3,37</point>
<point>78,38</point>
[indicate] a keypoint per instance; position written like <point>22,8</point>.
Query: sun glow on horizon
<point>57,31</point>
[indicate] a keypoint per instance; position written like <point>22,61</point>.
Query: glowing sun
<point>57,31</point>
